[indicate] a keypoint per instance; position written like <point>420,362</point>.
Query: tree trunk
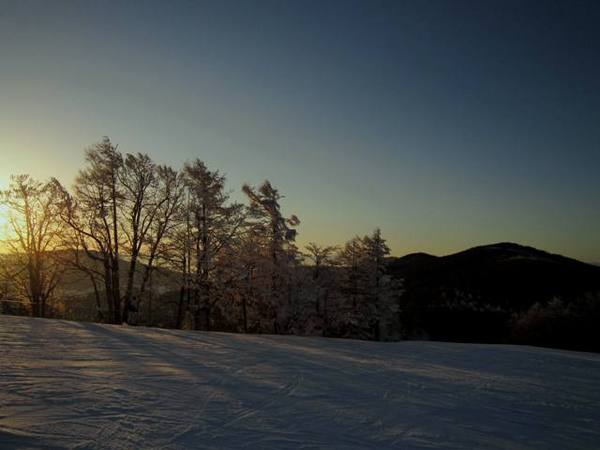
<point>244,314</point>
<point>207,309</point>
<point>99,316</point>
<point>109,291</point>
<point>129,288</point>
<point>115,256</point>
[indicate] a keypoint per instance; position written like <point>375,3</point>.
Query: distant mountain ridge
<point>501,248</point>
<point>518,274</point>
<point>473,294</point>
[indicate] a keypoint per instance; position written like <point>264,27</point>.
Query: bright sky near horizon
<point>448,124</point>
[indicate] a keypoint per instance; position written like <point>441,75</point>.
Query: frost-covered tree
<point>319,256</point>
<point>246,262</point>
<point>210,223</point>
<point>370,303</point>
<point>310,312</point>
<point>381,291</point>
<point>348,318</point>
<point>279,254</point>
<point>129,222</point>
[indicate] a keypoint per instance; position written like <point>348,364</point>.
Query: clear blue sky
<point>448,124</point>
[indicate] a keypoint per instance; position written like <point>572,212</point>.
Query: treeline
<point>132,241</point>
<point>160,246</point>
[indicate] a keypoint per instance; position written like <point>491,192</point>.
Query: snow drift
<point>83,386</point>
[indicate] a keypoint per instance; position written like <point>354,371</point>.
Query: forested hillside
<point>500,293</point>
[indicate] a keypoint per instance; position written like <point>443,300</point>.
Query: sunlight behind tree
<point>4,233</point>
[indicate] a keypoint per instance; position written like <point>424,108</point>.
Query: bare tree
<point>93,214</point>
<point>33,242</point>
<point>138,210</point>
<point>159,238</point>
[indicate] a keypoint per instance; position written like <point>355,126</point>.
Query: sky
<point>447,124</point>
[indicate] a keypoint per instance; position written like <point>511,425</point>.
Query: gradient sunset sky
<point>448,124</point>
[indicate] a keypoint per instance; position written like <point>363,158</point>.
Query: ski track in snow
<point>90,386</point>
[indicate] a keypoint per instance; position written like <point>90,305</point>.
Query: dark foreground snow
<point>82,385</point>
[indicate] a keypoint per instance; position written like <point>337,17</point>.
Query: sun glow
<point>4,213</point>
<point>3,224</point>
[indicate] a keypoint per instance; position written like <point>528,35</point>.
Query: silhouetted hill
<point>473,294</point>
<point>412,261</point>
<point>506,274</point>
<point>76,282</point>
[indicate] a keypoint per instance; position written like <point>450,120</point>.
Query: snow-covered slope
<point>83,385</point>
